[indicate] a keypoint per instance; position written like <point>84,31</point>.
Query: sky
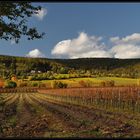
<point>81,30</point>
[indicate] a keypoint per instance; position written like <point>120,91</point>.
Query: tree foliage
<point>58,84</point>
<point>45,69</point>
<point>13,21</point>
<point>10,84</point>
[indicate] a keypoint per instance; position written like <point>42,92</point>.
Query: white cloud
<point>134,38</point>
<point>41,14</point>
<point>35,53</point>
<point>130,39</point>
<point>126,51</point>
<point>114,39</point>
<point>90,46</point>
<point>82,46</point>
<point>126,47</point>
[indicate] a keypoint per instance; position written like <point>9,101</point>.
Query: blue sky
<point>75,30</point>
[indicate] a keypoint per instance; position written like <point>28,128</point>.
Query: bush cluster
<point>58,84</point>
<point>42,85</point>
<point>34,84</point>
<point>110,83</point>
<point>22,84</point>
<point>1,83</point>
<point>10,84</point>
<point>85,83</point>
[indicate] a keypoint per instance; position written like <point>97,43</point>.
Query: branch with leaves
<point>13,21</point>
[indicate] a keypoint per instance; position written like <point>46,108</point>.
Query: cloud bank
<point>80,47</point>
<point>35,53</point>
<point>41,14</point>
<point>126,47</point>
<point>85,46</point>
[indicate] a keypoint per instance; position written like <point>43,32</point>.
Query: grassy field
<point>74,82</point>
<point>121,81</point>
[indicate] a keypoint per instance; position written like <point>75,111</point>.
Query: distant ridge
<point>17,64</point>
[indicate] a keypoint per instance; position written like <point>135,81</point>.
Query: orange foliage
<point>1,83</point>
<point>14,78</point>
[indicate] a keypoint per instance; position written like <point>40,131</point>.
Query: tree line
<point>85,67</point>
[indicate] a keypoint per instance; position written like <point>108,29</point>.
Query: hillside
<point>100,66</point>
<point>98,63</point>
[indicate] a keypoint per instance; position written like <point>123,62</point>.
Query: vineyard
<point>77,112</point>
<point>124,98</point>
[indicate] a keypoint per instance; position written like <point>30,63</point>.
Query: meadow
<point>74,82</point>
<point>74,87</point>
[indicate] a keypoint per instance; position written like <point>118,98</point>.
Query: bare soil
<point>33,115</point>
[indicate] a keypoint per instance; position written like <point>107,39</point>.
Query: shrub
<point>102,84</point>
<point>1,83</point>
<point>14,78</point>
<point>58,84</point>
<point>34,84</point>
<point>42,85</point>
<point>85,83</point>
<point>62,85</point>
<point>10,84</point>
<point>22,84</point>
<point>82,83</point>
<point>65,85</point>
<point>110,83</point>
<point>51,77</point>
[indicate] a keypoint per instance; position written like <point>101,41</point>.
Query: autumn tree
<point>1,82</point>
<point>13,21</point>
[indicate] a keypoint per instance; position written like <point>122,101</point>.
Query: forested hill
<point>98,63</point>
<point>23,65</point>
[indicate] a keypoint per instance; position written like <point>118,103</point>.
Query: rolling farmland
<point>75,112</point>
<point>65,85</point>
